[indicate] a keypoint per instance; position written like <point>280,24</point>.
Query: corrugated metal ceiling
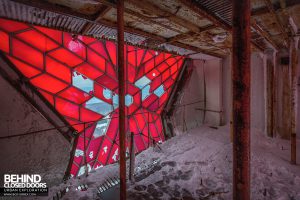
<point>172,26</point>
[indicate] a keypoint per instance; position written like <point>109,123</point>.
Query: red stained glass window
<point>75,95</point>
<point>4,44</point>
<point>38,40</point>
<point>27,53</point>
<point>66,57</point>
<point>57,69</point>
<point>27,70</point>
<point>48,83</point>
<point>78,76</point>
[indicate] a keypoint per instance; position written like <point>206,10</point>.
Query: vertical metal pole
<point>270,94</point>
<point>132,157</point>
<point>84,151</point>
<point>241,99</point>
<point>148,130</point>
<point>293,53</point>
<point>275,110</point>
<point>121,78</point>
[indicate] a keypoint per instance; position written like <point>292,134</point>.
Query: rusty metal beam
<point>121,81</point>
<point>276,6</point>
<point>197,49</point>
<point>212,17</point>
<point>99,16</point>
<point>286,17</point>
<point>264,34</point>
<point>206,14</point>
<point>241,99</point>
<point>281,26</point>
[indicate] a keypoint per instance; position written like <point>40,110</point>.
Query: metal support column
<point>241,99</point>
<point>121,78</point>
<point>132,158</point>
<point>294,99</point>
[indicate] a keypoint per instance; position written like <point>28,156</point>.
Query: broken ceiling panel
<point>150,16</point>
<point>141,24</point>
<point>88,7</point>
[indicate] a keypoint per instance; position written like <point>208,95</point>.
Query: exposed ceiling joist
<point>134,31</point>
<point>98,17</point>
<point>105,10</point>
<point>197,49</point>
<point>137,14</point>
<point>206,14</point>
<point>162,39</point>
<point>212,17</point>
<point>264,34</point>
<point>150,12</point>
<point>277,8</point>
<point>151,8</point>
<point>170,40</point>
<point>285,36</point>
<point>189,35</point>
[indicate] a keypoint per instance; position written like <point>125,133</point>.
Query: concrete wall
<point>189,112</point>
<point>186,116</point>
<point>46,153</point>
<point>218,94</point>
<point>227,89</point>
<point>213,79</point>
<point>257,91</point>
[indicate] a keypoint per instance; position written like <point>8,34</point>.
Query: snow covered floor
<point>198,165</point>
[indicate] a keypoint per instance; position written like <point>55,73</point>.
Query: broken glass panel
<point>101,127</point>
<point>82,82</point>
<point>159,91</point>
<point>99,106</point>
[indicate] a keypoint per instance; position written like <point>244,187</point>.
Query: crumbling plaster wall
<point>45,153</point>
